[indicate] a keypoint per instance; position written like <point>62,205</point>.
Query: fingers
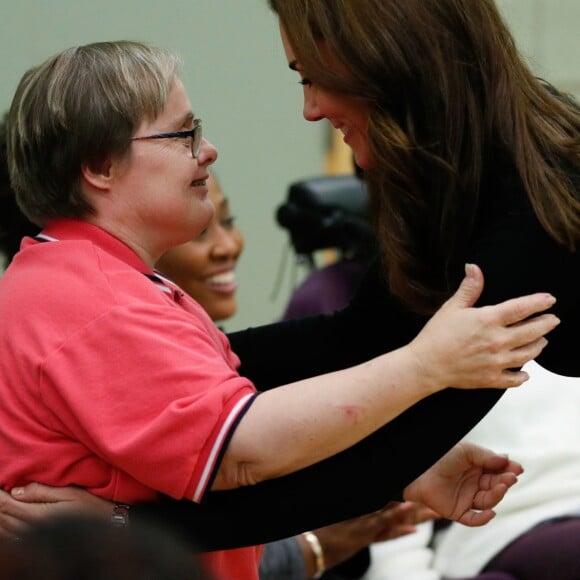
<point>394,521</point>
<point>514,359</point>
<point>401,519</point>
<point>393,532</point>
<point>515,345</point>
<point>519,342</point>
<point>12,522</point>
<point>495,465</point>
<point>475,519</point>
<point>489,460</point>
<point>493,340</point>
<point>470,288</point>
<point>520,355</point>
<point>493,488</point>
<point>11,527</point>
<point>414,515</point>
<point>528,332</point>
<point>482,512</point>
<point>39,493</point>
<point>518,309</point>
<point>425,514</point>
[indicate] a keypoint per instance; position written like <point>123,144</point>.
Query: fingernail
<point>550,299</point>
<point>469,270</point>
<point>15,491</point>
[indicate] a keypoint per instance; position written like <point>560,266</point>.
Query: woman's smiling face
<point>347,114</point>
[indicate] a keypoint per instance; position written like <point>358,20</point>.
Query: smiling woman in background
<point>205,266</point>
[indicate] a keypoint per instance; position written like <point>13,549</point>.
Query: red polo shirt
<point>111,378</point>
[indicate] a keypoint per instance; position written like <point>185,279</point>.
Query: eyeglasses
<point>195,134</point>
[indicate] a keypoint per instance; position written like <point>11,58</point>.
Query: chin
<point>222,313</point>
<point>364,160</point>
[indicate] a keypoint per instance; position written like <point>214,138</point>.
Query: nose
<point>208,154</point>
<point>226,244</point>
<point>311,110</point>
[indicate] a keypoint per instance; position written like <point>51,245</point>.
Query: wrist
<point>425,376</point>
<point>318,553</point>
<point>120,515</point>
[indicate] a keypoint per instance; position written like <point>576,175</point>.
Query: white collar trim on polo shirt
<point>159,280</point>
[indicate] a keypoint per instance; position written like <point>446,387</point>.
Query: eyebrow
<point>189,117</point>
<point>293,65</point>
<point>183,120</point>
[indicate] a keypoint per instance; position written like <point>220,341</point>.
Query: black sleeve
<point>284,352</point>
<point>516,257</point>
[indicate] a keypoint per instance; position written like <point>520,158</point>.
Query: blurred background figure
<point>87,548</point>
<point>205,266</point>
<point>326,219</point>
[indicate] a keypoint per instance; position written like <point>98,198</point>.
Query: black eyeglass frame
<point>195,134</point>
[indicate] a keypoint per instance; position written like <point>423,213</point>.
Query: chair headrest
<point>327,212</point>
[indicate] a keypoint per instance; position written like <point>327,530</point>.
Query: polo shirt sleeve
<point>153,392</point>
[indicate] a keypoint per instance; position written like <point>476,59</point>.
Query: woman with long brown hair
<point>451,114</point>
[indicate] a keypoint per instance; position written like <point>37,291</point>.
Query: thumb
<point>470,288</point>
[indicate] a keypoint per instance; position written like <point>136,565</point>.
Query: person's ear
<point>99,174</point>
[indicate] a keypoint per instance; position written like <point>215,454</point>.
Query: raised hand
<point>465,484</point>
<point>491,339</point>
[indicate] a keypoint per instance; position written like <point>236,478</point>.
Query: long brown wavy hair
<point>449,96</point>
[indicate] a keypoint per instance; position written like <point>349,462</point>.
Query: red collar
<point>71,229</point>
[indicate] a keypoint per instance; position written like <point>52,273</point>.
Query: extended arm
<point>327,414</point>
<point>465,485</point>
<point>517,256</point>
<point>364,477</point>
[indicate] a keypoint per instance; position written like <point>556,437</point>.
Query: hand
<point>490,339</point>
<point>35,502</point>
<point>465,484</point>
<point>341,541</point>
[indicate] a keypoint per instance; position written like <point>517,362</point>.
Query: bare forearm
<point>316,418</point>
<point>313,419</point>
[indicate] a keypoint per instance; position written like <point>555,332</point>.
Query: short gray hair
<point>78,107</point>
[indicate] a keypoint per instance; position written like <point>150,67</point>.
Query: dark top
<point>517,257</point>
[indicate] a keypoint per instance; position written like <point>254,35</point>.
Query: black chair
<point>328,212</point>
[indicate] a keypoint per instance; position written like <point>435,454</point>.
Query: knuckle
<point>520,309</point>
<point>496,347</point>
